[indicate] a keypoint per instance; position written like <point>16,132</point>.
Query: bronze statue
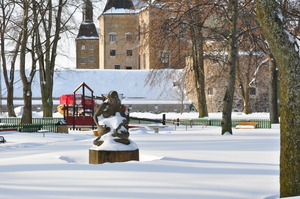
<point>112,107</point>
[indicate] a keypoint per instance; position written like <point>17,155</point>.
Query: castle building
<point>118,43</point>
<point>87,41</point>
<point>136,35</point>
<point>126,38</point>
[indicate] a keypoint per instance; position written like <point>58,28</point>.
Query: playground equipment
<point>78,109</point>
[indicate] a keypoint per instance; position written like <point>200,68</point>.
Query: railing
<point>262,123</point>
<point>48,123</point>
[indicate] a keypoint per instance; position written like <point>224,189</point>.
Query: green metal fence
<point>42,123</point>
<point>262,123</point>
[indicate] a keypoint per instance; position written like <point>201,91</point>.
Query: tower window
<point>128,67</point>
<point>129,52</point>
<point>164,57</point>
<point>83,47</point>
<point>83,60</point>
<point>112,37</point>
<point>117,66</point>
<point>210,91</point>
<point>112,53</point>
<point>92,47</point>
<point>92,58</point>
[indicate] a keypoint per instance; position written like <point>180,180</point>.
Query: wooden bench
<point>156,127</point>
<point>246,125</point>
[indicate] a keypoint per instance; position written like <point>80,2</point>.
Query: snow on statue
<point>112,126</point>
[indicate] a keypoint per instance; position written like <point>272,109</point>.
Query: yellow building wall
<point>119,25</point>
<point>87,53</point>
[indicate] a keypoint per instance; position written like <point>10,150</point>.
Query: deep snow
<point>193,163</point>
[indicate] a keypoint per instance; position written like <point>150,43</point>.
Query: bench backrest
<point>248,123</point>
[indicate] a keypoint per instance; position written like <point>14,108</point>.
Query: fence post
<point>177,121</point>
<point>164,119</point>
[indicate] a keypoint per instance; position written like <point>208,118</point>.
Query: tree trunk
<point>198,66</point>
<point>27,94</point>
<point>10,101</point>
<point>47,65</point>
<point>47,100</point>
<point>273,90</point>
<point>286,54</point>
<point>245,90</point>
<point>232,60</point>
<point>8,74</point>
<point>27,111</point>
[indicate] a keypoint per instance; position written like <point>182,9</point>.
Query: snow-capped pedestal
<point>113,143</point>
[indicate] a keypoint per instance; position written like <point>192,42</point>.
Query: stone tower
<point>87,41</point>
<point>118,32</point>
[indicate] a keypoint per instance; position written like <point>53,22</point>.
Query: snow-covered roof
<point>118,5</point>
<point>129,83</point>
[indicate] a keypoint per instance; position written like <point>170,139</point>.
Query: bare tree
<point>178,30</point>
<point>27,32</point>
<point>52,23</point>
<point>232,60</point>
<point>286,53</point>
<point>10,44</point>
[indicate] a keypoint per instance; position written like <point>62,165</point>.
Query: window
<point>164,57</point>
<point>166,28</point>
<point>210,91</point>
<point>83,60</point>
<point>144,60</point>
<point>252,91</point>
<point>112,37</point>
<point>92,58</point>
<point>129,52</point>
<point>182,30</point>
<point>128,67</point>
<point>117,66</point>
<point>92,47</point>
<point>112,53</point>
<point>139,62</point>
<point>128,36</point>
<point>83,47</point>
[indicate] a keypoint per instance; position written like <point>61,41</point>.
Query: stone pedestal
<point>62,129</point>
<point>100,157</point>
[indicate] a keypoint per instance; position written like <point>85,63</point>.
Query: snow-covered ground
<point>193,163</point>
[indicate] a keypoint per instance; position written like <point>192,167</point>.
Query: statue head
<point>113,95</point>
